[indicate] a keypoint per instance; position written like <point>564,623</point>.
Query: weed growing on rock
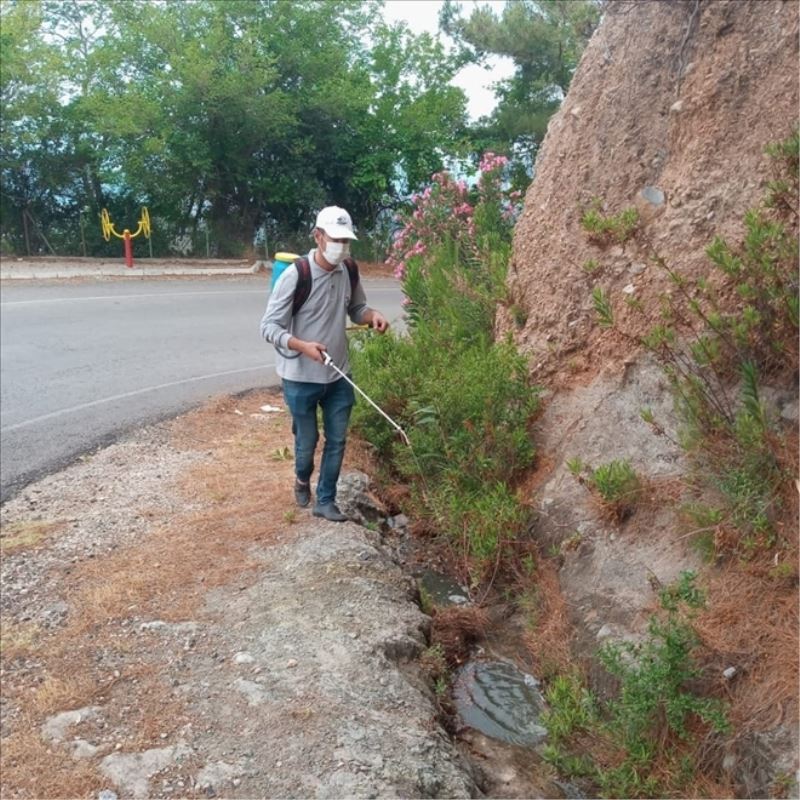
<point>616,484</point>
<point>605,229</point>
<point>602,307</point>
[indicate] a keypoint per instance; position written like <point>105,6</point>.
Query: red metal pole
<point>126,238</point>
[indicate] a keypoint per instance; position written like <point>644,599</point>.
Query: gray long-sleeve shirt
<point>323,318</point>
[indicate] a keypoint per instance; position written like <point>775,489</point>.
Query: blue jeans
<point>336,401</point>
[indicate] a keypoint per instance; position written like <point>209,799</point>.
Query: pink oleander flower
<point>490,162</point>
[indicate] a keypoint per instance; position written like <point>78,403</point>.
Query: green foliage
<point>782,190</point>
<point>604,229</point>
<point>616,482</point>
<point>590,266</point>
<point>684,591</point>
<point>649,717</point>
<point>519,315</point>
<point>545,40</point>
<point>705,520</point>
<point>602,307</point>
<point>654,676</point>
<point>219,116</point>
<point>571,709</point>
<point>464,399</point>
<point>575,466</point>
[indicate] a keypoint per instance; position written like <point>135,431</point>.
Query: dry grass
<point>17,639</point>
<point>34,768</point>
<point>752,623</point>
<point>235,499</point>
<point>26,535</point>
<point>456,629</point>
<point>548,641</point>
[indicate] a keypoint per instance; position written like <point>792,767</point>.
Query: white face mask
<point>336,252</point>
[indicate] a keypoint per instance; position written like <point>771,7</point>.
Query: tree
<point>217,114</point>
<point>545,39</point>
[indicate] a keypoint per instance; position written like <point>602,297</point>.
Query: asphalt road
<point>82,363</point>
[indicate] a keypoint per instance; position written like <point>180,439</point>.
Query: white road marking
<point>53,414</point>
<point>7,303</point>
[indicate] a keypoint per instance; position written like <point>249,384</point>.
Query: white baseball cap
<point>336,223</point>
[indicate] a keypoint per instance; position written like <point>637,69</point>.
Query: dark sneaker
<point>302,493</point>
<point>329,511</point>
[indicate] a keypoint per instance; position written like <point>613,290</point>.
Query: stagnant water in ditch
<point>498,706</point>
<point>500,701</point>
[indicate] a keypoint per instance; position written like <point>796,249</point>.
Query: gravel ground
<point>278,683</point>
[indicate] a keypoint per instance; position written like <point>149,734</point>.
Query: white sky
<point>423,15</point>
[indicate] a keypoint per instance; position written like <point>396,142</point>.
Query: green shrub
<point>464,400</point>
<point>571,709</point>
<point>651,719</point>
<point>710,345</point>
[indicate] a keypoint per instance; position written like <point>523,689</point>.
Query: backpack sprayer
<point>328,361</point>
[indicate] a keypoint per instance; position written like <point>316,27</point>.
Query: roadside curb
<point>45,272</point>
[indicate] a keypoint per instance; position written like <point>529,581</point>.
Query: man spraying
<point>306,318</point>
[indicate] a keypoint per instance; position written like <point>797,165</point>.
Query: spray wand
<point>328,361</point>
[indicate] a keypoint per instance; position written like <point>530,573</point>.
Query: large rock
<point>672,101</point>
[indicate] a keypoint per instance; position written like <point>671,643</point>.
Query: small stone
<point>629,289</point>
<point>243,657</point>
<point>291,663</point>
<point>653,195</point>
<point>107,794</point>
<point>676,107</point>
<point>604,632</point>
<point>728,673</point>
<point>729,762</point>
